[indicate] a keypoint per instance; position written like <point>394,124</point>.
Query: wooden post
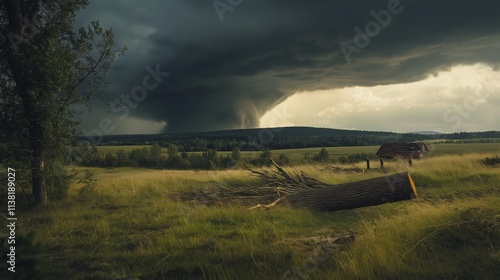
<point>381,163</point>
<point>367,164</point>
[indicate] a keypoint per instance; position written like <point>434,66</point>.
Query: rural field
<point>129,223</point>
<point>225,139</point>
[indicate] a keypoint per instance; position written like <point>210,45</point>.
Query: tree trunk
<point>37,145</point>
<point>369,192</point>
<point>29,98</point>
<point>38,170</point>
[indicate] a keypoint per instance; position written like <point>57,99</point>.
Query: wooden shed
<point>403,150</point>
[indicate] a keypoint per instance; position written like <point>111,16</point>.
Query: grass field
<point>134,225</point>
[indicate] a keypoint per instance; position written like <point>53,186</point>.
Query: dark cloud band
<point>227,74</point>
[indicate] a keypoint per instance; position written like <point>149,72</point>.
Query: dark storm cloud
<point>226,74</point>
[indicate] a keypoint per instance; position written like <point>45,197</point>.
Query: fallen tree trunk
<point>369,192</point>
<point>297,189</point>
<point>301,190</point>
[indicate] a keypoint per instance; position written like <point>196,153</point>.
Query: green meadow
<point>145,224</point>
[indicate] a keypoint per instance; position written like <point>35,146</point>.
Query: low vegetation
<point>153,157</point>
<point>492,161</point>
<point>125,223</point>
<point>173,157</point>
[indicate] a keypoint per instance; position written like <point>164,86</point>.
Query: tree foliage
<point>45,68</point>
<point>357,157</point>
<point>236,154</point>
<point>322,156</point>
<point>283,160</point>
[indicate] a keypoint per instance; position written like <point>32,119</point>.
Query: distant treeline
<point>181,147</point>
<point>202,144</point>
<point>152,157</point>
<point>284,138</point>
<point>468,141</point>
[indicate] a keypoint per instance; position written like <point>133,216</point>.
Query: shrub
<point>355,158</point>
<point>236,154</point>
<point>491,161</point>
<point>322,156</point>
<point>89,182</point>
<point>265,156</point>
<point>283,160</point>
<point>58,180</point>
<point>27,265</point>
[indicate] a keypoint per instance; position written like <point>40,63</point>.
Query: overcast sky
<point>373,65</point>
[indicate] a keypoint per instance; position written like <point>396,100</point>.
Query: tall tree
<point>236,154</point>
<point>265,156</point>
<point>322,156</point>
<point>155,151</point>
<point>46,68</point>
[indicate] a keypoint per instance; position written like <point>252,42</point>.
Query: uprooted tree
<point>300,190</point>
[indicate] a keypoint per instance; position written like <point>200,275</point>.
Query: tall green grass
<point>135,225</point>
<point>457,240</point>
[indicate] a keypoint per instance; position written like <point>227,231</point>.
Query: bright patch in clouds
<point>138,126</point>
<point>466,98</point>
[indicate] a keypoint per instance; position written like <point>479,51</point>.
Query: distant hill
<point>427,133</point>
<point>279,132</point>
<point>282,138</point>
<point>293,131</point>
